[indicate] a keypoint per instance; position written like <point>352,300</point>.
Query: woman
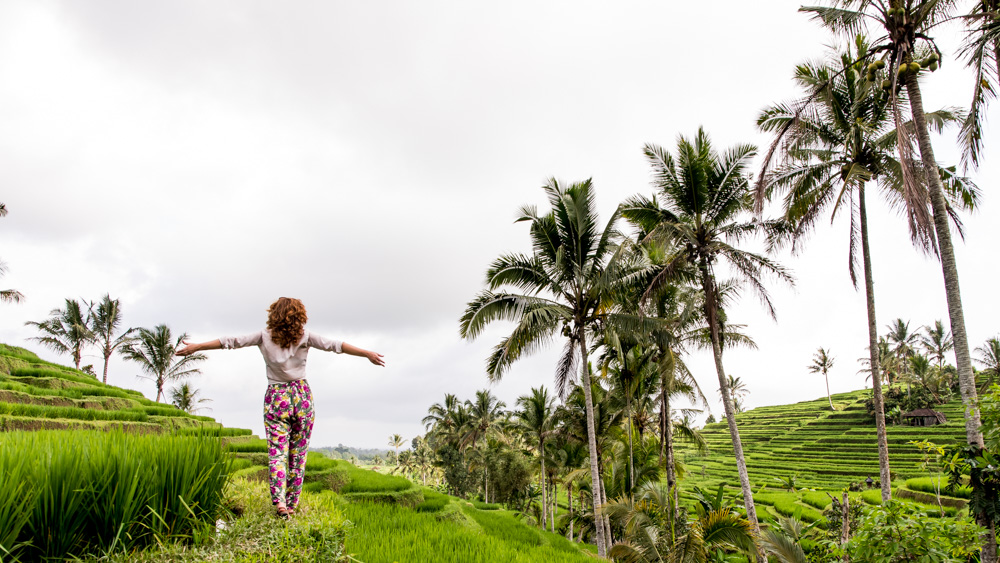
<point>288,408</point>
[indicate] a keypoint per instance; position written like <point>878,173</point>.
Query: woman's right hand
<point>187,350</point>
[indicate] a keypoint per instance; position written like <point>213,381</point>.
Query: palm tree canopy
<point>66,331</point>
<point>701,196</point>
<point>564,287</point>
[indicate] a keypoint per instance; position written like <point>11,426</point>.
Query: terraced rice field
<point>824,450</point>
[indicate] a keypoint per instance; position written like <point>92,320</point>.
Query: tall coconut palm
<point>66,331</point>
<point>535,416</point>
<point>704,198</point>
<point>187,398</point>
<point>835,142</point>
<point>738,392</point>
<point>155,352</point>
<point>937,342</point>
<point>105,322</point>
<point>439,413</point>
<point>822,362</point>
<point>567,283</point>
<point>908,26</point>
<point>396,441</point>
<point>485,413</point>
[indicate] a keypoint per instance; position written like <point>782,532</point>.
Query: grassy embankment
<point>117,477</point>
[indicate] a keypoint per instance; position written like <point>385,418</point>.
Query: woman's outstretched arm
<point>199,346</point>
<point>373,357</point>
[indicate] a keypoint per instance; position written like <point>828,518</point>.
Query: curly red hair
<point>286,321</point>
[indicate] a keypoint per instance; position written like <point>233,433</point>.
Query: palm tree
<point>705,195</point>
<point>567,283</point>
<point>653,532</point>
<point>439,413</point>
<point>981,50</point>
<point>822,362</point>
<point>937,342</point>
<point>396,441</point>
<point>907,37</point>
<point>836,141</point>
<point>105,322</point>
<point>738,392</point>
<point>903,341</point>
<point>187,398</point>
<point>535,416</point>
<point>8,295</point>
<point>66,331</point>
<point>155,352</point>
<point>989,358</point>
<point>485,413</point>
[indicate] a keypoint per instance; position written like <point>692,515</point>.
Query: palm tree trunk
<point>663,424</point>
<point>671,470</point>
<point>605,520</point>
<point>569,495</point>
<point>595,475</point>
<point>555,505</point>
<point>873,353</point>
<point>828,397</point>
<point>545,504</point>
<point>963,360</point>
<point>631,455</point>
<point>949,268</point>
<point>711,313</point>
<point>107,358</point>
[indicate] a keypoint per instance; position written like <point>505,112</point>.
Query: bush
<point>915,537</point>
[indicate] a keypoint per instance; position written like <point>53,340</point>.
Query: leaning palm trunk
<point>873,352</point>
<point>963,360</point>
<point>711,313</point>
<point>949,268</point>
<point>595,475</point>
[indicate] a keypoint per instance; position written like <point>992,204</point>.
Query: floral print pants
<point>288,420</point>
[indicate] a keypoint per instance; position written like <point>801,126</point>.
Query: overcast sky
<point>197,160</point>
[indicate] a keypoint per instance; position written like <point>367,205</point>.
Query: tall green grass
<point>77,413</point>
<point>385,533</point>
<point>65,494</point>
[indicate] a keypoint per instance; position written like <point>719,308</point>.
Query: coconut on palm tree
<point>701,208</point>
<point>564,287</point>
<point>105,323</point>
<point>66,331</point>
<point>155,352</point>
<point>822,362</point>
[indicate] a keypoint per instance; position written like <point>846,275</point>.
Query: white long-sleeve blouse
<point>283,364</point>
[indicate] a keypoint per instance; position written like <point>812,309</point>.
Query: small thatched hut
<point>924,417</point>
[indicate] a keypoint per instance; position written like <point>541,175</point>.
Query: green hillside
<point>347,513</point>
<point>822,449</point>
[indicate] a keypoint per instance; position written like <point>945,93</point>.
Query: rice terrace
<point>648,283</point>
